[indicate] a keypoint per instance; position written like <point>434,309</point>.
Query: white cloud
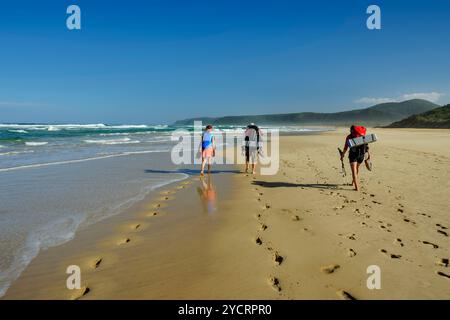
<point>430,96</point>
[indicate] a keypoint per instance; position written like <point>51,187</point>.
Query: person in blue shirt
<point>208,148</point>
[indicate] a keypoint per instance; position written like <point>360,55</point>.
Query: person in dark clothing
<point>252,145</point>
<point>356,155</point>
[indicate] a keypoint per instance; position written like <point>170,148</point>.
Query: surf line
<point>38,165</point>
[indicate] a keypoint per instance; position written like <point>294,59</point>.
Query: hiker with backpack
<point>356,155</point>
<point>252,137</point>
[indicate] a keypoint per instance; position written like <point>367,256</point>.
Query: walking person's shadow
<point>269,184</point>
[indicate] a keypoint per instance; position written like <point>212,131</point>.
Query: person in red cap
<point>356,154</point>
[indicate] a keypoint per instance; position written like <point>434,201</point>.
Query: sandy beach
<point>300,234</point>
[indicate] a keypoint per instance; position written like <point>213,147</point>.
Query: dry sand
<point>300,234</point>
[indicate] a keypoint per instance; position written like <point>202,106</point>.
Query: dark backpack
<point>247,139</point>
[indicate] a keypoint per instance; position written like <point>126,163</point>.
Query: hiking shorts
<point>356,157</point>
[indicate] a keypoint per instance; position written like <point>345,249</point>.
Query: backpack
<point>359,131</point>
<point>247,138</point>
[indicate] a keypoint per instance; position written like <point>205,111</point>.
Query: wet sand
<point>300,234</point>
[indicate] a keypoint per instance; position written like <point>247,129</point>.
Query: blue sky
<point>159,61</point>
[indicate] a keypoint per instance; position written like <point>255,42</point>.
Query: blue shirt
<point>207,139</point>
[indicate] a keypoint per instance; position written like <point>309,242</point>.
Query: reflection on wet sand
<point>207,194</point>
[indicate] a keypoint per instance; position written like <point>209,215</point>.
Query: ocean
<point>58,178</point>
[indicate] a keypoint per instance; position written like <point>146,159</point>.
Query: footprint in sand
<point>278,258</point>
<point>275,283</point>
<point>263,227</point>
<point>123,241</point>
<point>409,220</point>
<point>153,214</point>
<point>258,241</point>
<point>157,205</point>
<point>399,242</point>
<point>351,253</point>
<point>80,293</point>
<point>390,255</point>
<point>135,226</point>
<point>295,218</point>
<point>258,217</point>
<point>330,268</point>
<point>435,246</point>
<point>351,237</point>
<point>443,262</point>
<point>442,232</point>
<point>344,295</point>
<point>97,263</point>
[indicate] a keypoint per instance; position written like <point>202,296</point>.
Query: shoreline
<point>157,217</point>
<point>300,234</point>
<point>78,196</point>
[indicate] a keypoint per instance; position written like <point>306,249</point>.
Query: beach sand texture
<point>300,234</point>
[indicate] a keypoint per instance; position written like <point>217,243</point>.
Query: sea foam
<point>46,164</point>
<point>18,131</point>
<point>113,141</point>
<point>36,144</point>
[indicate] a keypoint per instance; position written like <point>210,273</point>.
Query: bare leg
<point>246,166</point>
<point>253,168</point>
<point>203,166</point>
<point>354,166</point>
<point>357,172</point>
<point>209,165</point>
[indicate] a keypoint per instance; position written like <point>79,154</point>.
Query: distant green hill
<point>436,118</point>
<point>377,115</point>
